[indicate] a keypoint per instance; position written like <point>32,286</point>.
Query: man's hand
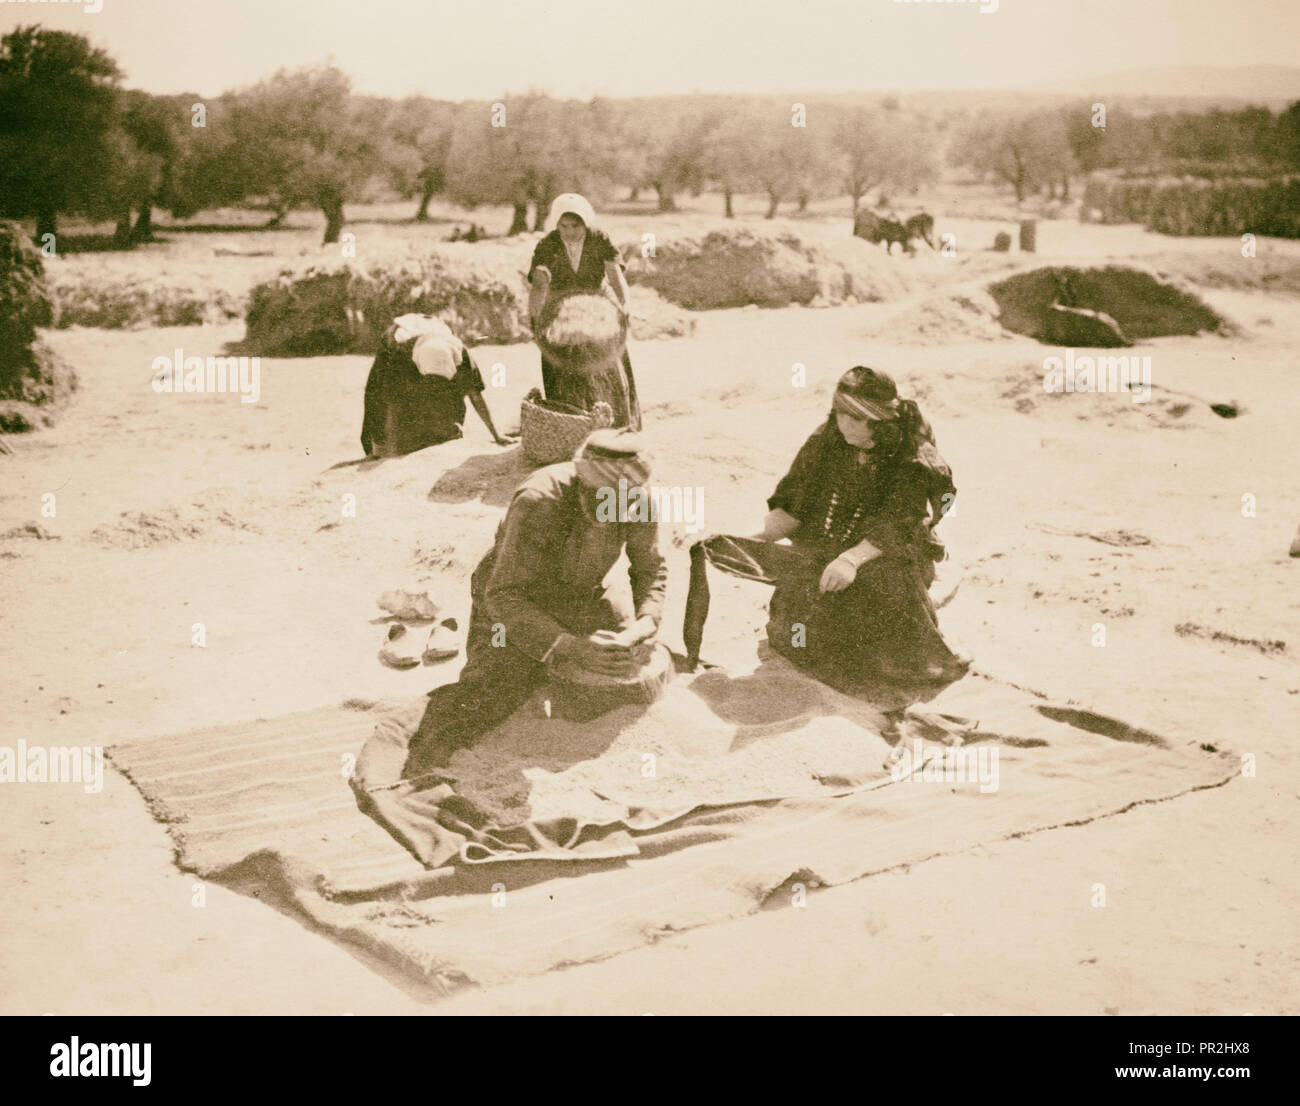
<point>508,438</point>
<point>601,653</point>
<point>642,631</point>
<point>839,574</point>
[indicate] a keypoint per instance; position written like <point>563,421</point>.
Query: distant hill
<point>1271,85</point>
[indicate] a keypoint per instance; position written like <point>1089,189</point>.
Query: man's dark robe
<point>543,577</point>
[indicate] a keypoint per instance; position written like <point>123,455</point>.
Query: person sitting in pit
<point>416,391</point>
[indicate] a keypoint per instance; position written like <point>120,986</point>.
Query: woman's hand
<point>839,574</point>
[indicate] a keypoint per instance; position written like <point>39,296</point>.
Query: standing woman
<point>575,257</point>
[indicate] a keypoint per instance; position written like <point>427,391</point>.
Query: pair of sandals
<point>401,648</point>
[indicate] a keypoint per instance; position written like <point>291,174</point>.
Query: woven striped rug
<point>266,807</point>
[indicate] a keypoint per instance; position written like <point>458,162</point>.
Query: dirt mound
<point>117,302</point>
<point>344,307</point>
<point>1272,272</point>
<point>32,377</point>
<point>29,531</point>
<point>968,315</point>
<point>744,265</point>
<point>1022,389</point>
<point>205,517</point>
<point>36,396</point>
<point>654,317</point>
<point>1103,306</point>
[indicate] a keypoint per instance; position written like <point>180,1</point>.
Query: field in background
<point>202,270</point>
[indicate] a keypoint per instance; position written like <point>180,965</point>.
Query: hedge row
<point>1191,206</point>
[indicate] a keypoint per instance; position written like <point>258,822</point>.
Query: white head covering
<point>437,351</point>
<point>435,355</point>
<point>570,203</point>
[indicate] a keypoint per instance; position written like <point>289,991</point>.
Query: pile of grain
<point>33,379</point>
<point>744,265</point>
<point>966,315</point>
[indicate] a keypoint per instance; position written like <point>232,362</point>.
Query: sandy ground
<point>174,510</point>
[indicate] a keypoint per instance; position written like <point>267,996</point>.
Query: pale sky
<point>479,49</point>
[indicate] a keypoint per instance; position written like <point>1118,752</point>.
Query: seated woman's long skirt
<point>883,625</point>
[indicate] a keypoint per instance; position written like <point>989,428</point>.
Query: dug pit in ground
<point>1112,305</point>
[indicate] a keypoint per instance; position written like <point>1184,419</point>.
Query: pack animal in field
<point>879,228</point>
<point>921,226</point>
<point>866,224</point>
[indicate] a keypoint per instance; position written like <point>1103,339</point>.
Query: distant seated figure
<point>417,388</point>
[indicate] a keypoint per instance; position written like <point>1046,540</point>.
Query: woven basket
<point>578,695</point>
<point>549,436</point>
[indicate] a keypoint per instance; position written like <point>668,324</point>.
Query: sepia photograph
<point>715,509</point>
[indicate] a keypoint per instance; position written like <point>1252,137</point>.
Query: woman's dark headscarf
<point>897,424</point>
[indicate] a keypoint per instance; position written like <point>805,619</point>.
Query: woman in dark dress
<point>576,257</point>
<point>859,504</point>
<point>416,391</point>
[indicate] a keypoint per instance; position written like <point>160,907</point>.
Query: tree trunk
<point>726,195</point>
<point>635,194</point>
<point>333,209</point>
<point>519,223</point>
<point>426,196</point>
<point>803,201</point>
<point>666,201</point>
<point>1065,189</point>
<point>857,202</point>
<point>540,212</point>
<point>46,223</point>
<point>122,233</point>
<point>143,231</point>
<point>772,201</point>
